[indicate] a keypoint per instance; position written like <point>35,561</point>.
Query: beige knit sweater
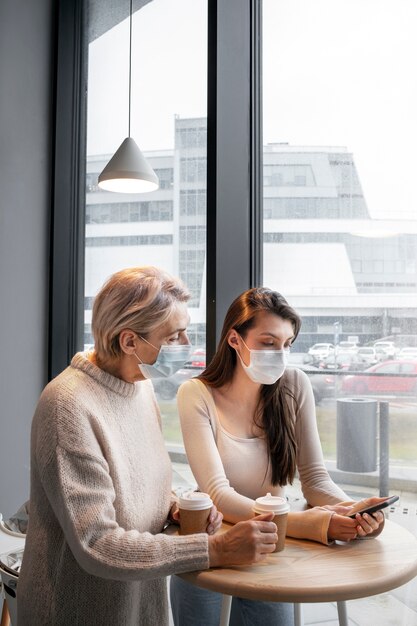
<point>100,496</point>
<point>236,471</point>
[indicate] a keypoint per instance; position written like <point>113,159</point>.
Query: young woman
<point>248,425</point>
<point>101,477</point>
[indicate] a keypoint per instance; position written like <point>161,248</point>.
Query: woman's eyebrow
<point>177,330</point>
<point>268,334</point>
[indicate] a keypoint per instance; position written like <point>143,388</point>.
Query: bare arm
<point>202,453</point>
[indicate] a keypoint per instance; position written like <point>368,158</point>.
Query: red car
<point>197,358</point>
<point>382,382</point>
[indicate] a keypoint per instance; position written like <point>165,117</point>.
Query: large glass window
<point>340,129</point>
<point>167,227</point>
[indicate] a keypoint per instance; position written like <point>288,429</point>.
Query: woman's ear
<point>127,341</point>
<point>232,339</point>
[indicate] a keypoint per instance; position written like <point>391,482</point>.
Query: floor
<point>397,608</point>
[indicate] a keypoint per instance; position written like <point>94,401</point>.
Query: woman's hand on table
<point>214,521</point>
<point>344,528</point>
<point>246,542</point>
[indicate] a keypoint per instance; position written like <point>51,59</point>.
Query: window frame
<point>234,157</point>
<point>66,291</point>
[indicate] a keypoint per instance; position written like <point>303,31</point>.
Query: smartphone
<point>376,507</point>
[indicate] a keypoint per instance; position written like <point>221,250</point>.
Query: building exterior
<point>322,249</point>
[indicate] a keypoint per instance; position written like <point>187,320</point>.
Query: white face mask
<point>170,359</point>
<point>265,366</point>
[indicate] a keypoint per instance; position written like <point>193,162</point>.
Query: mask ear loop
<point>248,349</point>
<point>244,343</point>
<point>149,344</point>
<point>139,359</point>
<point>241,360</point>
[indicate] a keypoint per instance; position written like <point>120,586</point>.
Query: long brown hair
<point>273,413</point>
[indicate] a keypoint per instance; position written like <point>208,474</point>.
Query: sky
<point>169,76</point>
<point>335,72</point>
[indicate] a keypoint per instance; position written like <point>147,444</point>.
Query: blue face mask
<point>170,359</point>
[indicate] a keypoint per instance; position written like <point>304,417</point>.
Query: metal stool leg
<point>225,612</point>
<point>342,612</point>
<point>298,614</point>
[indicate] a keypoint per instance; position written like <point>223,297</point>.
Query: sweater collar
<point>119,386</point>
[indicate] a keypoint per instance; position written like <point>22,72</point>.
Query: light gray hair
<point>137,298</point>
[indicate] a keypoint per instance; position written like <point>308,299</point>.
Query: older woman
<point>101,477</point>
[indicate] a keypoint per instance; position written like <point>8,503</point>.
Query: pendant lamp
<point>128,171</point>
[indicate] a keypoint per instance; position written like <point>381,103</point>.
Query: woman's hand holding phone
<point>341,527</point>
<point>371,505</point>
<point>358,520</point>
<point>344,528</point>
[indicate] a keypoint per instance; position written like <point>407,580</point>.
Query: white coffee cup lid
<point>271,504</point>
<point>195,501</point>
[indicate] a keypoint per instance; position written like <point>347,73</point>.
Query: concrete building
<point>362,272</point>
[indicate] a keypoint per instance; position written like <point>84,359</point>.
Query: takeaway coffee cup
<point>194,509</point>
<point>280,507</point>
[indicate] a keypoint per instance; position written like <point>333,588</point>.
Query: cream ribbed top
<point>100,496</point>
<point>235,471</point>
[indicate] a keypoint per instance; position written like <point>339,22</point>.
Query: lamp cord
<point>130,63</point>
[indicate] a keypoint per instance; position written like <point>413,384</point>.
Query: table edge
<point>251,591</point>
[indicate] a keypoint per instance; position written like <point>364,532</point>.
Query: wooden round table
<point>311,572</point>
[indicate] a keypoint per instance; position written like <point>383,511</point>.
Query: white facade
<point>321,249</point>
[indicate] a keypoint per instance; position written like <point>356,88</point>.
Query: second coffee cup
<point>280,507</point>
<point>195,508</point>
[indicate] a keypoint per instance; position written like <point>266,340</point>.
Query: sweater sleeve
<point>196,415</point>
<point>316,484</point>
<point>81,493</point>
<point>310,524</point>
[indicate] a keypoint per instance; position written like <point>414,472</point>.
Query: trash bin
<point>356,435</point>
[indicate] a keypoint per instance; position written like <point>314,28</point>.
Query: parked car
<point>346,346</point>
<point>198,358</point>
<point>381,353</point>
<point>321,351</point>
<point>407,353</point>
<point>166,388</point>
<point>368,355</point>
<point>384,378</point>
<point>343,361</point>
<point>388,347</point>
<point>322,384</point>
<point>298,359</point>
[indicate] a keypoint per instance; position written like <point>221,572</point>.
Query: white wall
<point>25,176</point>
